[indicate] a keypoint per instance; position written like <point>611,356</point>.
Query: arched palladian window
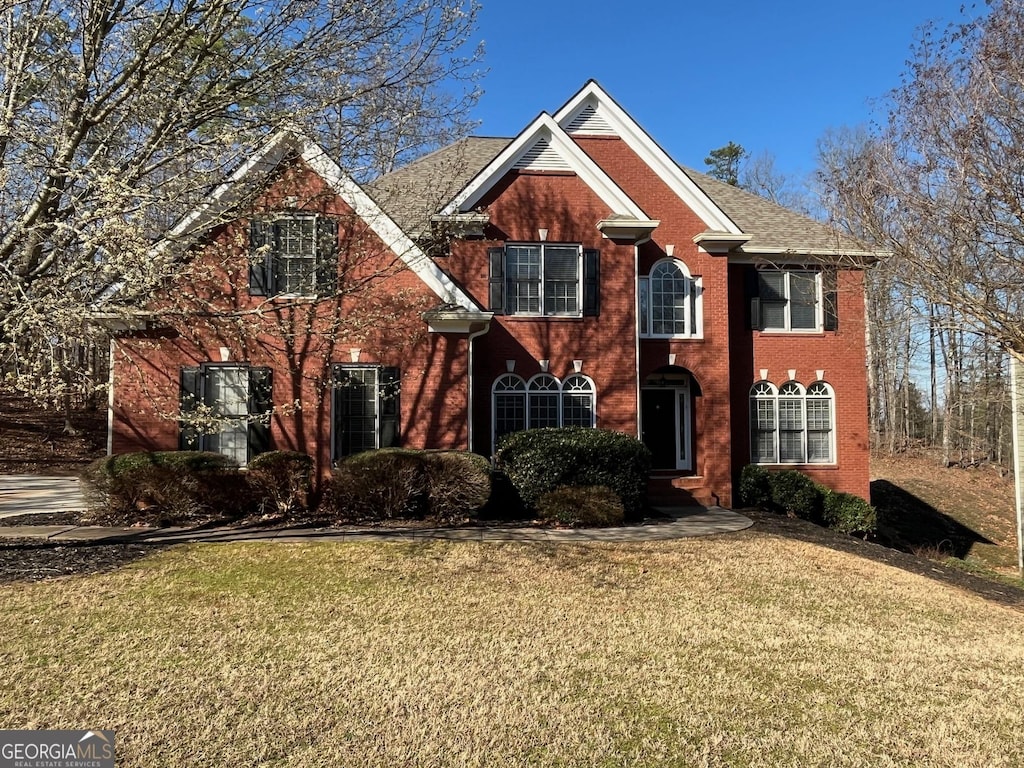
<point>543,401</point>
<point>792,425</point>
<point>509,406</point>
<point>578,398</point>
<point>670,302</point>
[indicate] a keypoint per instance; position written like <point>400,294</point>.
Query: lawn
<point>747,649</point>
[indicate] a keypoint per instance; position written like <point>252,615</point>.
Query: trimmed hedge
<point>582,506</point>
<point>165,488</point>
<point>848,513</point>
<point>537,461</point>
<point>755,486</point>
<point>404,484</point>
<point>281,482</point>
<point>793,493</point>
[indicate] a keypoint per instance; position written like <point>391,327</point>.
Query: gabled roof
<point>545,144</point>
<point>593,112</point>
<point>254,171</point>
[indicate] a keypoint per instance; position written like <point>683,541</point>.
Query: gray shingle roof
<point>412,193</point>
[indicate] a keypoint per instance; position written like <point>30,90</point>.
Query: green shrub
<point>165,488</point>
<point>402,484</point>
<point>848,513</point>
<point>796,495</point>
<point>281,483</point>
<point>537,461</point>
<point>755,487</point>
<point>581,506</point>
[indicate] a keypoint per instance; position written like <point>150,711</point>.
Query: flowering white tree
<point>117,116</point>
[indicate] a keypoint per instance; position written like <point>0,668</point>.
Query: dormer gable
<point>592,112</point>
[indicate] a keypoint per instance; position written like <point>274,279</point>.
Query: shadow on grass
<point>910,524</point>
<point>911,533</point>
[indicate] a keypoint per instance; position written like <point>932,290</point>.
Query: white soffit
<point>544,133</point>
<point>592,99</point>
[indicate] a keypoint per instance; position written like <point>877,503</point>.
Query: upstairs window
<point>226,409</point>
<point>293,255</point>
<point>798,300</point>
<point>544,280</point>
<point>670,302</point>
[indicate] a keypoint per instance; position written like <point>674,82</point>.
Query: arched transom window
<point>543,401</point>
<point>792,425</point>
<point>670,301</point>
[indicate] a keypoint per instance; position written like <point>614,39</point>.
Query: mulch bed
<point>37,560</point>
<point>32,439</point>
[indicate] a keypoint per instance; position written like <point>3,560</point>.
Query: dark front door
<point>658,425</point>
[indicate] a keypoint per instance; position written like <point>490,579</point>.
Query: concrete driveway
<point>38,494</point>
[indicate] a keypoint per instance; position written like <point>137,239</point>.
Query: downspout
<point>110,398</point>
<point>469,383</point>
<point>636,333</point>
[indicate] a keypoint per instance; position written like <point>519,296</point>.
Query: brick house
<point>572,275</point>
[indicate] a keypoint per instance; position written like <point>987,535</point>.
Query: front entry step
<point>672,490</point>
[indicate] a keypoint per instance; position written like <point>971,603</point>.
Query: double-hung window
<point>798,300</point>
<point>293,254</point>
<point>670,302</point>
<point>365,408</point>
<point>226,409</point>
<point>544,280</point>
<point>791,425</point>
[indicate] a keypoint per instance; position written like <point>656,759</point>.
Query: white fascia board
<point>384,226</point>
<point>587,170</point>
<point>745,255</point>
<point>657,159</point>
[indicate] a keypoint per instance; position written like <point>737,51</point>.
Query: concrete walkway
<point>37,494</point>
<point>26,495</point>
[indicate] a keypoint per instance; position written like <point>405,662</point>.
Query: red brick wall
<point>378,311</point>
<point>840,355</point>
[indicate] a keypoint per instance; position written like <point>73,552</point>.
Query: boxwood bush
<point>281,482</point>
<point>581,506</point>
<point>755,487</point>
<point>793,493</point>
<point>537,461</point>
<point>404,484</point>
<point>848,513</point>
<point>165,488</point>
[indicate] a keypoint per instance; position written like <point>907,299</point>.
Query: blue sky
<point>768,75</point>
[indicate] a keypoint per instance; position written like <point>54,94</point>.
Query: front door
<point>665,426</point>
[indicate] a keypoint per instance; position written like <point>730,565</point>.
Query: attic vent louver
<point>589,120</point>
<point>542,157</point>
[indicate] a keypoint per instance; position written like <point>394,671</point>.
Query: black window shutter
<point>750,287</point>
<point>496,261</point>
<point>830,294</point>
<point>339,414</point>
<point>260,236</point>
<point>326,256</point>
<point>591,282</point>
<point>261,403</point>
<point>390,407</point>
<point>189,398</point>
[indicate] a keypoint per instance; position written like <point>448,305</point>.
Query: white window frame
<point>513,385</point>
<point>766,392</point>
<point>693,305</point>
<point>787,326</point>
<point>511,298</point>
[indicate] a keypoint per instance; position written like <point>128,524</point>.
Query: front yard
<point>747,649</point>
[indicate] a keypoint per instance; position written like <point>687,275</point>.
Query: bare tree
<point>117,115</point>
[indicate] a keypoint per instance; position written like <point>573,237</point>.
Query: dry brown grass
<point>751,650</point>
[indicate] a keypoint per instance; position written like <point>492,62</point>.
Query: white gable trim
<point>228,194</point>
<point>627,129</point>
<point>544,127</point>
